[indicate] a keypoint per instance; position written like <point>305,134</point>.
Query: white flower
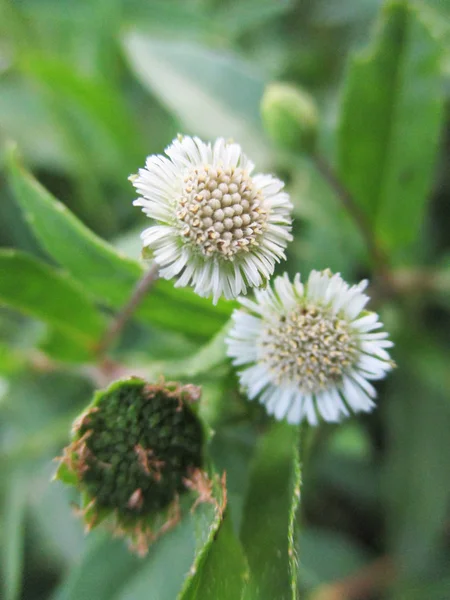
<point>219,228</point>
<point>311,349</point>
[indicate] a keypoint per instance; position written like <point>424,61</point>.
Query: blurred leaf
<point>232,448</point>
<point>102,107</point>
<point>38,410</point>
<point>104,568</point>
<point>171,18</point>
<point>224,20</point>
<point>419,590</point>
<point>208,356</point>
<point>63,347</point>
<point>267,530</point>
<point>11,359</point>
<point>38,443</point>
<point>13,534</point>
<point>212,93</point>
<point>326,556</point>
<point>417,414</point>
<point>153,581</point>
<point>351,440</point>
<point>390,122</point>
<point>342,13</point>
<point>247,15</point>
<point>51,510</point>
<point>39,290</point>
<point>22,111</point>
<point>108,275</point>
<point>221,571</point>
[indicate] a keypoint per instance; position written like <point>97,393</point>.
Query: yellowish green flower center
<point>309,347</point>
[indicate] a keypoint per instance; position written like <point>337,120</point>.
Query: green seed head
<point>133,451</point>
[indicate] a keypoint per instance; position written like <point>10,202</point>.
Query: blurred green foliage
<point>87,90</point>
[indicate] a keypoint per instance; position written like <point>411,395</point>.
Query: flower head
<point>134,451</point>
<point>219,227</point>
<point>310,349</point>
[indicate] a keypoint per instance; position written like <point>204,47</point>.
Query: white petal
<point>355,397</point>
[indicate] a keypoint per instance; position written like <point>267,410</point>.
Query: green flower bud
<point>290,117</point>
<point>135,449</point>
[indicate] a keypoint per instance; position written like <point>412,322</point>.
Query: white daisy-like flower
<point>310,350</point>
<point>218,227</point>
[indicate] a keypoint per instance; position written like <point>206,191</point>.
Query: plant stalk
<point>139,292</point>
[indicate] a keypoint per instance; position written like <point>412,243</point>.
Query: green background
<point>87,90</point>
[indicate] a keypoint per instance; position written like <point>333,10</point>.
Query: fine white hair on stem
<point>309,351</point>
<point>217,226</point>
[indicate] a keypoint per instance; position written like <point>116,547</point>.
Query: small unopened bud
<point>290,117</point>
<point>133,450</point>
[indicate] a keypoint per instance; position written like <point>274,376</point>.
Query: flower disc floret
<point>309,350</point>
<point>309,345</point>
<point>221,211</point>
<point>219,227</point>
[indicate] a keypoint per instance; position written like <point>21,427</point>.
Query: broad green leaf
<point>40,291</point>
<point>220,93</point>
<point>267,530</point>
<point>219,564</point>
<point>13,523</point>
<point>221,571</point>
<point>390,121</point>
<point>105,273</point>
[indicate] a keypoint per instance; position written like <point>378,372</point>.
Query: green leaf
<point>13,523</point>
<point>220,93</point>
<point>105,273</point>
<point>390,122</point>
<point>21,111</point>
<point>12,360</point>
<point>63,347</point>
<point>152,581</point>
<point>221,569</point>
<point>40,291</point>
<point>248,15</point>
<point>327,556</point>
<point>417,417</point>
<point>104,569</point>
<point>267,531</point>
<point>209,356</point>
<point>100,104</point>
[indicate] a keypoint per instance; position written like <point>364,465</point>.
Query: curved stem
<point>139,292</point>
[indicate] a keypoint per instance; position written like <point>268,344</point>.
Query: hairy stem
<point>128,310</point>
<point>350,205</point>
